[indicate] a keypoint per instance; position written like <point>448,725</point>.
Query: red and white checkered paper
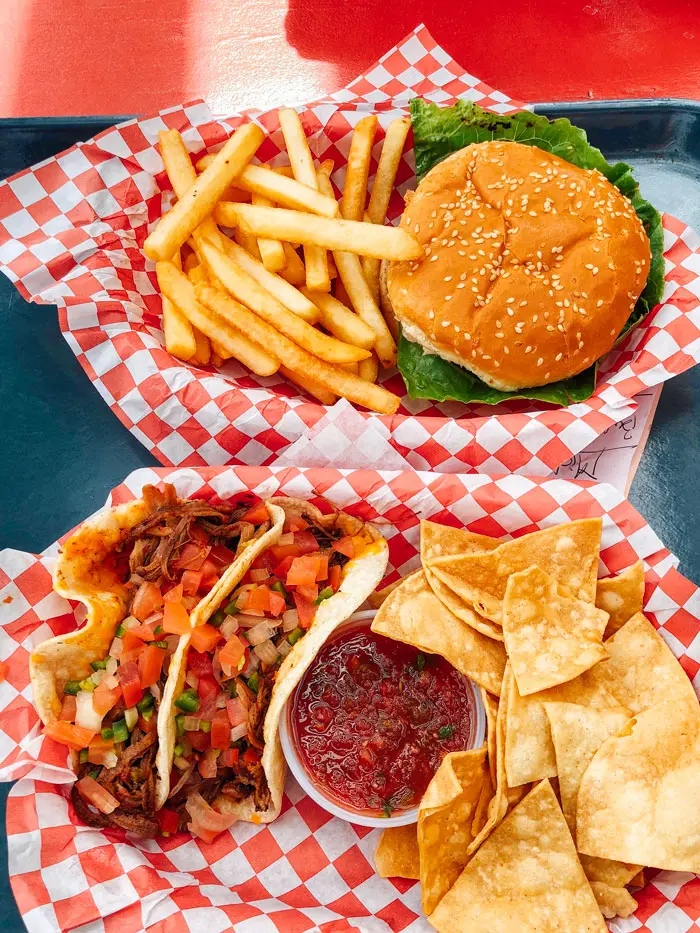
<point>307,870</point>
<point>71,232</point>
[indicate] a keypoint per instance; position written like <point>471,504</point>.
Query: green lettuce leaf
<point>437,132</point>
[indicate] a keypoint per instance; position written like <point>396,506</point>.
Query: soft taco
<point>146,572</point>
<point>238,669</point>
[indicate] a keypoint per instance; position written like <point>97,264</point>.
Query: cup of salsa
<point>368,725</point>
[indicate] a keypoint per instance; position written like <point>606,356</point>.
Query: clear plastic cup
<point>320,795</point>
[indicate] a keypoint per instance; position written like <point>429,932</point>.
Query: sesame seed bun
<point>531,265</point>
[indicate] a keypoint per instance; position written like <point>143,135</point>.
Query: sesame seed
<point>540,361</point>
<point>433,258</point>
<point>448,297</point>
<point>416,228</point>
<point>431,314</point>
<point>448,278</point>
<point>500,335</point>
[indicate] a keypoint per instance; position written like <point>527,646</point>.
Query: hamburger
<point>532,266</point>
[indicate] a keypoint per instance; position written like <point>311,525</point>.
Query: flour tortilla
<point>82,573</point>
<point>413,614</point>
<point>569,553</point>
<point>361,575</point>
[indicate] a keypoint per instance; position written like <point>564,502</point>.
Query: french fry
<point>357,172</point>
<point>248,242</point>
<point>290,296</point>
<point>350,272</point>
<point>341,321</point>
<point>352,236</point>
<point>200,198</point>
<point>234,193</point>
<point>271,251</point>
<point>216,360</point>
<point>285,170</point>
<point>382,187</point>
<point>279,188</point>
<point>198,274</point>
<point>203,354</point>
<point>325,396</point>
<point>177,330</point>
<point>294,271</point>
<point>340,293</point>
<point>220,351</point>
<point>295,358</point>
<point>385,302</point>
<point>247,290</point>
<point>180,291</point>
<point>191,261</point>
<point>369,369</point>
<point>317,277</point>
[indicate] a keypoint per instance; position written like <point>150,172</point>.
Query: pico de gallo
<point>231,668</point>
<point>167,563</point>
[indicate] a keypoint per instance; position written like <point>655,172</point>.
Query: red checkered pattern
<point>71,231</point>
<point>307,870</point>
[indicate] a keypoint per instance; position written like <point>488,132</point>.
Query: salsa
<point>373,718</point>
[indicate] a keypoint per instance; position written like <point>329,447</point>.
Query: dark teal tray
<point>63,449</point>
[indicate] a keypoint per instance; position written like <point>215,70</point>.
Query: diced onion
<point>284,647</point>
<point>132,717</point>
<point>182,764</point>
<point>257,575</point>
<point>267,652</point>
<point>115,649</point>
<point>226,670</point>
<point>172,641</point>
<point>85,714</point>
<point>97,677</point>
<point>131,622</point>
<point>290,620</point>
<point>189,602</point>
<point>286,539</point>
<point>229,627</point>
<point>155,691</point>
<point>260,633</point>
<point>242,695</point>
<point>110,760</point>
<point>110,681</point>
<point>191,723</point>
<point>154,617</point>
<point>221,701</point>
<point>245,621</point>
<point>112,666</point>
<point>252,665</point>
<point>192,680</point>
<point>239,732</point>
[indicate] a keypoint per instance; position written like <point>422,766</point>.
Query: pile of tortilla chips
<point>591,768</point>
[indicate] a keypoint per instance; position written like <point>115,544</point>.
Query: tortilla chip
<point>639,880</point>
<point>445,541</point>
<point>525,877</point>
<point>614,874</point>
<point>377,598</point>
<point>550,638</point>
<point>621,596</point>
<point>397,853</point>
<point>445,822</point>
<point>459,608</point>
<point>577,733</point>
<point>642,670</point>
<point>482,807</point>
<point>414,615</point>
<point>491,710</point>
<point>613,902</point>
<point>639,799</point>
<point>529,747</point>
<point>569,553</point>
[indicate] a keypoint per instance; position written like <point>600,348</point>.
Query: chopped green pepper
<point>218,618</point>
<point>325,593</point>
<point>232,608</point>
<point>253,682</point>
<point>120,731</point>
<point>387,808</point>
<point>420,661</point>
<point>95,773</point>
<point>107,733</point>
<point>120,631</point>
<point>279,587</point>
<point>178,750</point>
<point>180,723</point>
<point>446,732</point>
<point>148,714</point>
<point>83,756</point>
<point>72,687</point>
<point>145,703</point>
<point>295,635</point>
<point>188,701</point>
<point>158,629</point>
<point>98,665</point>
<point>205,725</point>
<point>159,644</point>
<point>87,684</point>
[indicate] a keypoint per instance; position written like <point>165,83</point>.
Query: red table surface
<point>136,56</point>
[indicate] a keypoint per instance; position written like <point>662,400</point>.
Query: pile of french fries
<point>295,286</point>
